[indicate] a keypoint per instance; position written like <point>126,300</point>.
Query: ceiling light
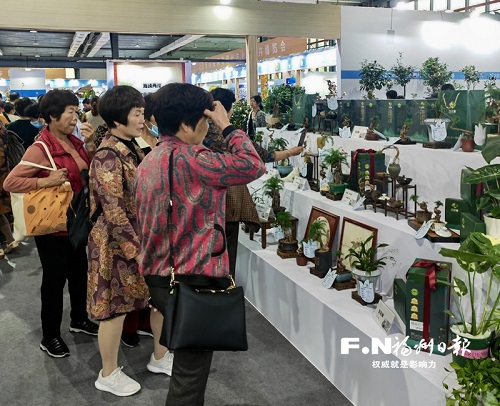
<point>225,2</point>
<point>33,31</point>
<point>1,52</point>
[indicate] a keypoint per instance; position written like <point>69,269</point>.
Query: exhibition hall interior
<point>367,248</point>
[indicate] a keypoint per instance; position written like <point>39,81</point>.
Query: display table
<point>315,320</point>
<point>266,225</point>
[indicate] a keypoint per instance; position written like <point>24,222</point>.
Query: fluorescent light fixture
<point>33,31</point>
<point>223,12</point>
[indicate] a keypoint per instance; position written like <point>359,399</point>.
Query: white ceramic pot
<point>365,284</point>
<point>492,226</point>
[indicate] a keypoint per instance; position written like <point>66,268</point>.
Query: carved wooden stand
<point>358,299</point>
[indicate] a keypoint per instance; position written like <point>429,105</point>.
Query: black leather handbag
<point>202,313</point>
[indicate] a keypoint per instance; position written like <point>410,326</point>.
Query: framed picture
<point>353,231</point>
<point>330,219</point>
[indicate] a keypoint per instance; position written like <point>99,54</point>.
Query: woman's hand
<point>294,151</point>
<point>88,136</point>
<point>55,178</point>
<point>218,115</point>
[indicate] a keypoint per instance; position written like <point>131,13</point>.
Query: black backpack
<point>79,221</point>
<point>15,149</point>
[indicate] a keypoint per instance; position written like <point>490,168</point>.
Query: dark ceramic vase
<point>323,260</point>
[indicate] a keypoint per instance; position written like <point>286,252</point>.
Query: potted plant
<point>280,100</point>
<point>477,383</point>
<point>489,175</point>
<point>371,135</point>
<point>471,76</point>
<point>259,137</point>
<point>372,76</point>
<point>284,221</point>
<point>334,158</point>
<point>271,188</point>
<point>479,256</point>
<point>365,267</point>
<point>301,259</point>
<point>434,74</point>
<point>241,109</point>
<point>402,74</point>
<point>394,168</point>
<point>283,166</point>
<point>423,214</point>
<point>320,233</point>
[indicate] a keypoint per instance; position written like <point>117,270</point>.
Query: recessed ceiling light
<point>33,31</point>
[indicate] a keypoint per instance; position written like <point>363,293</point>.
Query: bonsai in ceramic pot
<point>271,188</point>
<point>320,233</point>
<point>489,175</point>
<point>284,220</point>
<point>423,214</point>
<point>394,168</point>
<point>334,158</point>
<point>283,166</point>
<point>365,267</point>
<point>477,294</point>
<point>301,259</point>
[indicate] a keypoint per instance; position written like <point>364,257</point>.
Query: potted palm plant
<point>284,221</point>
<point>271,188</point>
<point>489,175</point>
<point>319,232</point>
<point>479,256</point>
<point>365,267</point>
<point>334,158</point>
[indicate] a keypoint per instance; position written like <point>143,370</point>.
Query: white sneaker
<point>117,383</point>
<point>163,365</point>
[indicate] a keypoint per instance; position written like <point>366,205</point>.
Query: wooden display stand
<point>266,225</point>
<point>331,196</point>
<point>287,254</point>
<point>345,285</point>
<point>437,145</point>
<point>358,299</point>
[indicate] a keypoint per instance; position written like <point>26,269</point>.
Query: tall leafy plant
<point>402,74</point>
<point>373,76</point>
<point>434,74</point>
<point>282,97</point>
<point>241,109</point>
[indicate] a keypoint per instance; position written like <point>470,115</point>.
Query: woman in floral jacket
<point>115,287</point>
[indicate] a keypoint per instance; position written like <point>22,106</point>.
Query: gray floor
<point>272,372</point>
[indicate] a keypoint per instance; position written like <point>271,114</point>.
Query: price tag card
<point>278,233</point>
<point>329,278</point>
<point>273,173</point>
<point>422,231</point>
<point>359,203</point>
<point>350,197</point>
<point>359,131</point>
<point>438,131</point>
<point>385,318</point>
<point>299,183</point>
<point>264,211</point>
<point>366,290</point>
<point>345,132</point>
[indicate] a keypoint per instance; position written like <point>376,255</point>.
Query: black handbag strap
<point>169,217</point>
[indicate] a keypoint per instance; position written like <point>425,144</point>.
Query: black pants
<point>232,231</point>
<point>61,262</point>
<point>191,368</point>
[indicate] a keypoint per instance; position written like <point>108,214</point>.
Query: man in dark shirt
<point>28,125</point>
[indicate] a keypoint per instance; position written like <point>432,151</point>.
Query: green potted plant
<point>301,259</point>
<point>372,76</point>
<point>423,214</point>
<point>241,109</point>
<point>489,175</point>
<point>334,158</point>
<point>479,256</point>
<point>319,232</point>
<point>471,76</point>
<point>284,221</point>
<point>271,188</point>
<point>478,383</point>
<point>280,144</point>
<point>280,100</point>
<point>365,267</point>
<point>402,74</point>
<point>434,74</point>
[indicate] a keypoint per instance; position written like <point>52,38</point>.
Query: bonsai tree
<point>279,144</point>
<point>422,205</point>
<point>271,188</point>
<point>334,158</point>
<point>373,76</point>
<point>284,220</point>
<point>281,96</point>
<point>471,76</point>
<point>434,74</point>
<point>477,383</point>
<point>402,74</point>
<point>318,231</point>
<point>476,255</point>
<point>362,255</point>
<point>241,109</point>
<point>423,214</point>
<point>437,212</point>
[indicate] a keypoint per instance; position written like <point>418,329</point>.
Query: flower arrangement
<point>471,76</point>
<point>434,73</point>
<point>402,74</point>
<point>373,76</point>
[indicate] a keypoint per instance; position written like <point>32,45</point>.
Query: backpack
<point>15,150</point>
<point>79,221</point>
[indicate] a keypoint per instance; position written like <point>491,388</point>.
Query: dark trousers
<point>191,368</point>
<point>232,231</point>
<point>61,262</point>
<point>136,320</point>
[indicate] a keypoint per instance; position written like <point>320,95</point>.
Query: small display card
<point>359,203</point>
<point>359,131</point>
<point>422,231</point>
<point>391,141</point>
<point>367,290</point>
<point>264,211</point>
<point>438,131</point>
<point>273,173</point>
<point>350,197</point>
<point>385,318</point>
<point>278,233</point>
<point>345,132</point>
<point>299,182</point>
<point>329,278</point>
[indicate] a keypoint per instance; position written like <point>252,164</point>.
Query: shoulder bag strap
<point>54,167</point>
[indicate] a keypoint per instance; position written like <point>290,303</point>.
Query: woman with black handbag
<point>190,236</point>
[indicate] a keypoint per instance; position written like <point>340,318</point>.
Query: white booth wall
<point>456,38</point>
